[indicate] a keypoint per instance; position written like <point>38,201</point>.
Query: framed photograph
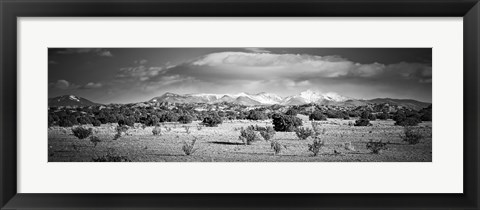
<point>249,105</point>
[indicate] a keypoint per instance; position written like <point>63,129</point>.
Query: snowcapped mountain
<point>262,98</point>
<point>70,100</point>
<point>310,96</point>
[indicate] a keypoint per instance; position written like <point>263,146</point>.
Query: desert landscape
<point>253,139</point>
<point>240,105</point>
<point>223,145</point>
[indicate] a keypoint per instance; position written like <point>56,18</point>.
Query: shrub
<point>427,117</point>
<point>268,134</point>
<point>411,135</point>
<point>241,116</point>
<point>188,148</point>
<point>169,117</point>
<point>185,119</point>
<point>316,145</point>
<point>212,121</point>
<point>317,115</point>
<point>426,113</point>
<point>348,146</point>
<point>130,121</point>
<point>376,147</point>
<point>316,129</point>
<point>65,122</point>
<point>407,118</point>
<point>199,127</point>
<point>256,115</point>
<point>383,116</point>
<point>372,117</point>
<point>157,131</point>
<point>96,123</point>
<point>95,140</point>
<point>364,115</point>
<point>187,129</point>
<point>121,129</point>
<point>83,120</point>
<point>334,114</point>
<point>117,136</point>
<point>291,112</point>
<point>81,132</point>
<point>152,120</point>
<point>248,135</point>
<point>410,121</point>
<point>303,133</point>
<point>109,157</point>
<point>362,122</point>
<point>286,123</point>
<point>276,146</point>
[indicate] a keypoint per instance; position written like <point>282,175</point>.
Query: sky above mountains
<point>125,75</point>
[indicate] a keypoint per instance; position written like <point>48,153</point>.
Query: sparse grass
<point>411,135</point>
<point>222,144</point>
<point>188,148</point>
<point>376,146</point>
<point>303,133</point>
<point>81,132</point>
<point>199,127</point>
<point>316,145</point>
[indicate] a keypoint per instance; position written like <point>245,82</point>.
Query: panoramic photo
<point>240,104</point>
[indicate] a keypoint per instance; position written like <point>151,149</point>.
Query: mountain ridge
<point>264,98</point>
<point>70,100</point>
<point>248,99</point>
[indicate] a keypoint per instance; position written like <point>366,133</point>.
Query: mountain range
<point>248,99</point>
<point>263,98</point>
<point>70,100</point>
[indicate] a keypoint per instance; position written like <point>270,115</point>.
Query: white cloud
<point>92,85</point>
<point>295,66</point>
<point>140,71</point>
<point>63,85</point>
<point>141,62</point>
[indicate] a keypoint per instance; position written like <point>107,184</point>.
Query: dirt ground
<point>221,144</point>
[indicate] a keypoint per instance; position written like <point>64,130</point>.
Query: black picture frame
<point>10,10</point>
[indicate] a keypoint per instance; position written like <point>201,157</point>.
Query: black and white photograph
<point>249,104</point>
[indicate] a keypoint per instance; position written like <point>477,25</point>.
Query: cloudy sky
<point>125,75</point>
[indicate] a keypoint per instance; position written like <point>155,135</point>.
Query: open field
<point>221,144</point>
